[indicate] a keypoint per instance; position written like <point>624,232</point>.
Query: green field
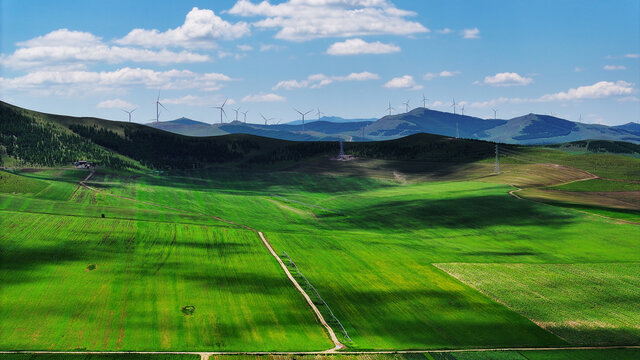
<point>128,254</point>
<point>583,303</point>
<point>599,185</point>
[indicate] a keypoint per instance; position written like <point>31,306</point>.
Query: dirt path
<point>337,344</point>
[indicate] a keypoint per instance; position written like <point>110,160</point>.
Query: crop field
<point>75,283</point>
<point>396,258</point>
<point>582,303</point>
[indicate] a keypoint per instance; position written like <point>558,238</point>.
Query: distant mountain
<point>527,129</point>
<point>333,119</point>
<point>631,127</point>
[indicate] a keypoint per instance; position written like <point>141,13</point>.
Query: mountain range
<point>527,129</point>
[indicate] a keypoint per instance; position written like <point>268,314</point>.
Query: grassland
<point>366,241</point>
<point>144,274</point>
<point>582,303</point>
<point>99,357</point>
<point>599,185</point>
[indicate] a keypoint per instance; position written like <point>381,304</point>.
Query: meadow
<point>397,253</point>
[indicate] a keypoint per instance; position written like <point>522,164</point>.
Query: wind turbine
<point>454,105</point>
<point>303,115</point>
<point>424,101</point>
<point>580,120</point>
<point>129,112</point>
<point>495,114</point>
<point>236,110</point>
<point>245,116</point>
<point>265,119</point>
<point>319,113</point>
<point>406,105</point>
<point>390,108</point>
<point>221,107</point>
<point>158,104</point>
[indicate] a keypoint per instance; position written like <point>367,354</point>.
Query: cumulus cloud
<point>271,47</point>
<point>66,49</point>
<point>202,28</point>
<point>73,82</point>
<point>244,47</point>
<point>602,89</point>
<point>444,31</point>
<point>115,103</point>
<point>632,56</point>
<point>599,90</point>
<point>301,20</point>
<point>319,80</point>
<point>507,79</point>
<point>264,98</point>
<point>403,82</point>
<point>471,33</point>
<point>614,67</point>
<point>443,73</point>
<point>358,46</point>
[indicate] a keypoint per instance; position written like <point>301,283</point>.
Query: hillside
<point>30,138</point>
<point>530,129</point>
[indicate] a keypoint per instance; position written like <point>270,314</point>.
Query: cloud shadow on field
<point>457,213</point>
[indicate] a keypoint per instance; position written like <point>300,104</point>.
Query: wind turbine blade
<point>134,110</point>
<point>225,101</point>
<point>163,106</point>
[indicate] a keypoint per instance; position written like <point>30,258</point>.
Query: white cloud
<point>403,82</point>
<point>115,103</point>
<point>614,67</point>
<point>301,20</point>
<point>578,69</point>
<point>599,90</point>
<point>602,89</point>
<point>244,47</point>
<point>202,28</point>
<point>507,79</point>
<point>271,47</point>
<point>319,80</point>
<point>359,46</point>
<point>66,49</point>
<point>74,82</point>
<point>444,31</point>
<point>632,56</point>
<point>264,98</point>
<point>443,73</point>
<point>471,33</point>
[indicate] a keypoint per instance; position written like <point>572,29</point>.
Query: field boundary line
<point>332,334</point>
<point>364,352</point>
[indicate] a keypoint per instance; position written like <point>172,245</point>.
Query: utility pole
<point>497,168</point>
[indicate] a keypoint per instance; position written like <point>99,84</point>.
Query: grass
<point>145,274</point>
<point>366,241</point>
<point>586,304</point>
<point>602,185</point>
<point>11,183</point>
<point>98,357</point>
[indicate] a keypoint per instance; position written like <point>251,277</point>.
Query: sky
<point>575,59</point>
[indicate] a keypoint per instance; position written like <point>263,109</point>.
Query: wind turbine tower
<point>236,110</point>
<point>221,107</point>
<point>454,105</point>
<point>424,101</point>
<point>495,114</point>
<point>265,119</point>
<point>406,105</point>
<point>129,112</point>
<point>319,113</point>
<point>158,104</point>
<point>303,115</point>
<point>245,116</point>
<point>462,109</point>
<point>390,108</point>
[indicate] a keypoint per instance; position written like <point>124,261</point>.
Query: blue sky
<point>349,58</point>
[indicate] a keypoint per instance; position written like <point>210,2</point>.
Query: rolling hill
<point>531,129</point>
